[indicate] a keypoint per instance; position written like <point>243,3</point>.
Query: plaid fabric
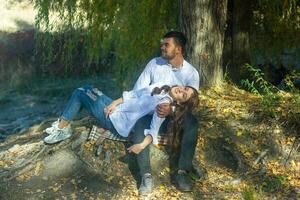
<point>100,133</point>
<point>97,133</point>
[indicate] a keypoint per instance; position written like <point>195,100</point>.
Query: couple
<point>154,91</point>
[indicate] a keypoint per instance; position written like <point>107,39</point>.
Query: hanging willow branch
<point>118,36</point>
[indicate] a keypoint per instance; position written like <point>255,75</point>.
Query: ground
<point>242,147</point>
<point>242,153</point>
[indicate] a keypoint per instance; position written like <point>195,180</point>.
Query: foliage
<point>260,86</point>
<point>275,25</point>
<point>55,86</point>
<point>249,194</point>
<point>272,102</point>
<point>273,184</point>
<point>115,36</point>
<point>291,80</point>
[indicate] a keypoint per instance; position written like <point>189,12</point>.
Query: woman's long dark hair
<point>158,90</point>
<point>174,128</point>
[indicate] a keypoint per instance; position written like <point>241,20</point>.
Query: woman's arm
<point>109,109</point>
<point>150,135</point>
<point>137,148</point>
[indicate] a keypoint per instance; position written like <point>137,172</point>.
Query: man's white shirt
<point>158,70</point>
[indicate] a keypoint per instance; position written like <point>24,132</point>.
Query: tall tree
<point>204,23</point>
<point>237,37</point>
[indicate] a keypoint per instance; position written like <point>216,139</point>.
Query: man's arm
<point>194,80</point>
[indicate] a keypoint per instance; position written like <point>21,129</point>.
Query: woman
<point>119,116</point>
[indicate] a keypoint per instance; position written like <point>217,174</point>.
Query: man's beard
<point>168,57</point>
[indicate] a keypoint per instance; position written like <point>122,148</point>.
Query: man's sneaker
<point>58,135</point>
<point>183,181</point>
<point>53,128</point>
<point>146,186</point>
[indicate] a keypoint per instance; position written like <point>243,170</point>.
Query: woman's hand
<point>109,109</point>
<point>136,148</point>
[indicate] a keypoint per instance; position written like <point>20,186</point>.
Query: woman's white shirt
<point>136,104</point>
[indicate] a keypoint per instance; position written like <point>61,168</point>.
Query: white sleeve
<point>156,123</point>
<point>137,93</point>
<point>154,127</point>
<point>144,79</point>
<point>129,95</point>
<point>194,80</point>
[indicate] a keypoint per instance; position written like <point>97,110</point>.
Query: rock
<point>61,163</point>
<point>2,131</point>
<point>81,139</point>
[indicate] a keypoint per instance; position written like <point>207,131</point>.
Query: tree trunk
<point>204,23</point>
<point>237,45</point>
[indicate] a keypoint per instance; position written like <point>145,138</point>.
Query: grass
<point>51,86</point>
<point>249,194</point>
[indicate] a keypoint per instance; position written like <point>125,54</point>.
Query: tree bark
<point>237,45</point>
<point>204,23</point>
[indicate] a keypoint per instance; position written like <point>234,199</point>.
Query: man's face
<point>169,49</point>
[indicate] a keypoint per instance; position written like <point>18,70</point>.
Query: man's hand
<point>136,148</point>
<point>163,110</point>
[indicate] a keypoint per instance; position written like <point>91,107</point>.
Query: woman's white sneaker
<point>53,128</point>
<point>58,135</point>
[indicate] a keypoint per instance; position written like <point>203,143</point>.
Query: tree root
<point>22,168</point>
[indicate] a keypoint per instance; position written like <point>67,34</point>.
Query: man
<point>170,69</point>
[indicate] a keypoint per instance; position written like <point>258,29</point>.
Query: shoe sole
<point>146,194</point>
<point>182,190</point>
<point>57,141</point>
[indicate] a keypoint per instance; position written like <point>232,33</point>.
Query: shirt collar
<point>174,68</point>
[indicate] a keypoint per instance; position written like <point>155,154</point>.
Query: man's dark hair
<point>179,38</point>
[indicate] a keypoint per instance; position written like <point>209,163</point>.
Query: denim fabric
<point>188,142</point>
<point>143,158</point>
<point>91,99</point>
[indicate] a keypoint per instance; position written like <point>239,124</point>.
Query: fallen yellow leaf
<point>239,133</point>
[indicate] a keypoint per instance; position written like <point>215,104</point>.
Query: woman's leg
<point>72,108</point>
<point>75,102</point>
<point>89,98</point>
<point>85,97</point>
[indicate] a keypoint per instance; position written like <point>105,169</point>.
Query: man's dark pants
<point>188,143</point>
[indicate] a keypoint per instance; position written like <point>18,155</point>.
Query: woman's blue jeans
<point>91,99</point>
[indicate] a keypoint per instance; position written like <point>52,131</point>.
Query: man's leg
<point>143,158</point>
<point>187,151</point>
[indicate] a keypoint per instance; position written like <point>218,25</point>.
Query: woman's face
<point>181,94</point>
